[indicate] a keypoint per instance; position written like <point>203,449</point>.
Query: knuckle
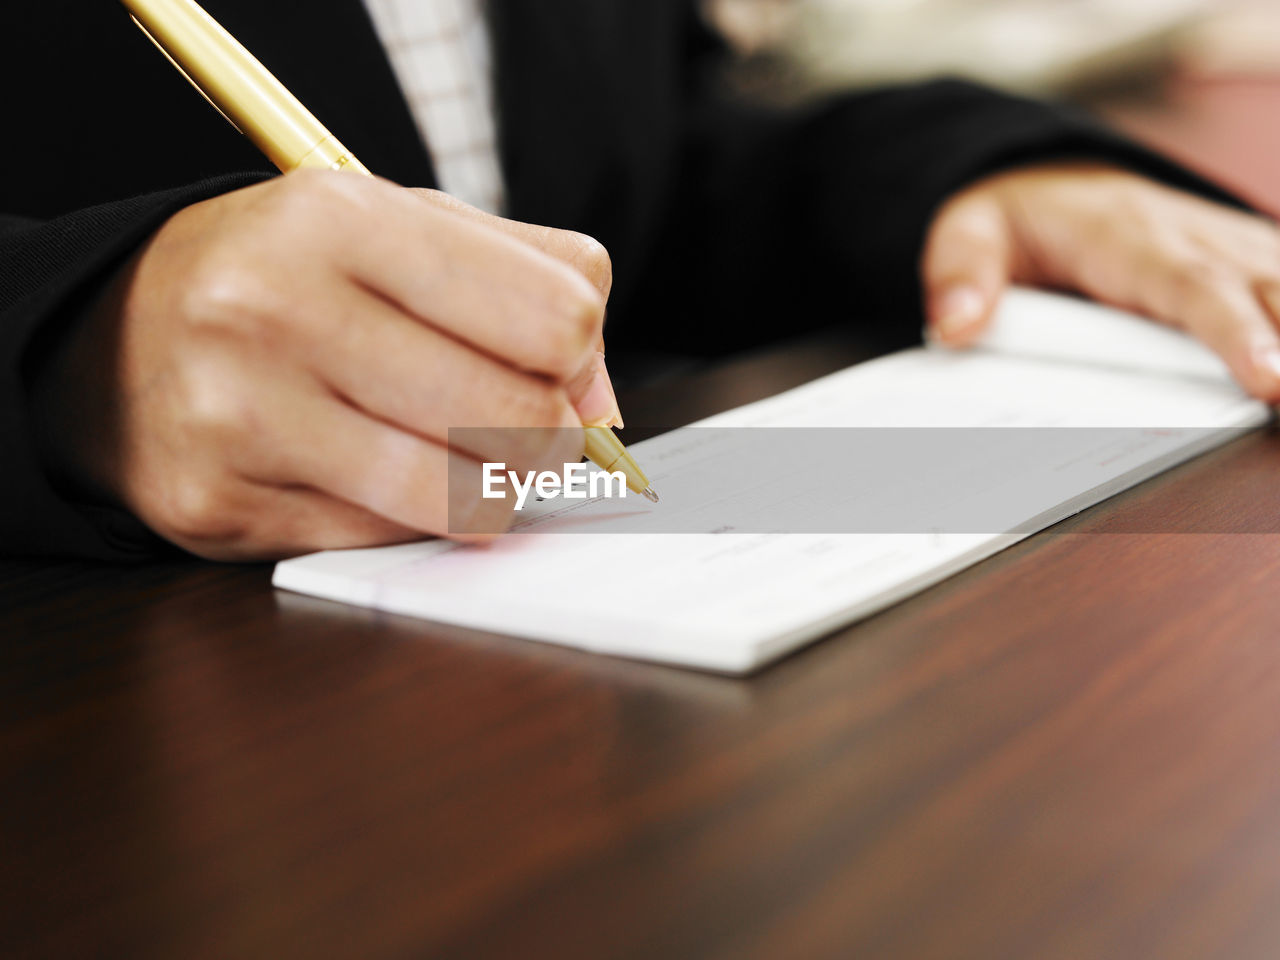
<point>298,193</point>
<point>218,294</point>
<point>197,509</point>
<point>591,257</point>
<point>966,221</point>
<point>976,226</point>
<point>213,406</point>
<point>227,292</point>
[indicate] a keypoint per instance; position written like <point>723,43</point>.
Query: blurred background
<point>1199,79</point>
<point>1055,47</point>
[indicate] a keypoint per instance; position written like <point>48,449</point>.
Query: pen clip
<point>177,66</point>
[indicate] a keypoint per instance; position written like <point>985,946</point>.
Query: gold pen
<point>259,106</point>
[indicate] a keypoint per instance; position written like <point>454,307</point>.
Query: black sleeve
<point>786,219</point>
<point>48,271</point>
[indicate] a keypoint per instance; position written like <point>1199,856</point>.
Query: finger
<point>292,521</point>
<point>1268,292</point>
<point>405,479</point>
<point>592,390</point>
<point>1220,308</point>
<point>582,252</point>
<point>416,378</point>
<point>476,283</point>
<point>965,268</point>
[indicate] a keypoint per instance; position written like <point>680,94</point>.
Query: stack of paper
<point>675,582</point>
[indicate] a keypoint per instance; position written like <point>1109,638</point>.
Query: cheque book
<point>731,571</point>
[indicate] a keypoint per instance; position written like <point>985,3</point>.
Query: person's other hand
<point>278,369</point>
<point>1118,238</point>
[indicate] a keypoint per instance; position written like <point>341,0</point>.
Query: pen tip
<point>649,494</point>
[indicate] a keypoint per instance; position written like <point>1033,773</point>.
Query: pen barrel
<point>242,89</point>
<point>605,450</point>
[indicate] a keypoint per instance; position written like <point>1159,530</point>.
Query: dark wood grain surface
<point>1069,751</point>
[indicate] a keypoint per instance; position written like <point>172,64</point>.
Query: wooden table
<point>1071,750</point>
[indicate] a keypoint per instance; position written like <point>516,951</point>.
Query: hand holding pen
<point>277,370</point>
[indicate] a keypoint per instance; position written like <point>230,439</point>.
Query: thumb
<point>965,267</point>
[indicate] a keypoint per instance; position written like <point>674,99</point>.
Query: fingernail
<point>597,406</point>
<point>959,308</point>
<point>617,412</point>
